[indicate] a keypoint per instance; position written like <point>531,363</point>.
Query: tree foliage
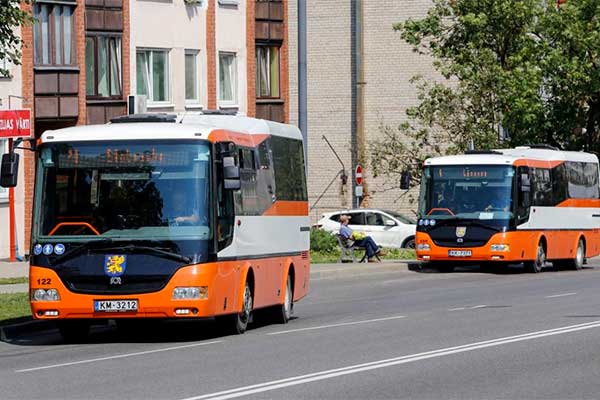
<point>11,16</point>
<point>523,70</point>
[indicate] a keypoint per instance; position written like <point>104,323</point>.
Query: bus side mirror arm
<point>231,174</point>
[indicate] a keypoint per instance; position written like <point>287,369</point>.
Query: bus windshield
<point>467,192</point>
<point>156,190</point>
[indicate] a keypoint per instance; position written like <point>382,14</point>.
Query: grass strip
<point>12,281</point>
<point>14,306</point>
<point>317,257</point>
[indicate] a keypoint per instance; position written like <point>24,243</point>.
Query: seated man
<point>359,240</point>
<point>180,213</point>
<point>499,202</point>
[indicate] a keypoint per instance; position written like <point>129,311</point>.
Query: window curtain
<point>90,68</point>
<point>159,76</point>
<point>190,77</point>
<point>227,77</point>
<point>67,29</point>
<point>115,66</point>
<point>143,74</point>
<point>57,15</point>
<point>102,66</point>
<point>274,72</point>
<point>263,71</point>
<point>45,33</point>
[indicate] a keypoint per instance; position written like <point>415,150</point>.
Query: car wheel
<point>410,243</point>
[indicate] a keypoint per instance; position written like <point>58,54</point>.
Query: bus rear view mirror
<point>231,174</point>
<point>10,170</point>
<point>405,180</point>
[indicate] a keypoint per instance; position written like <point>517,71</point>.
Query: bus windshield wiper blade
<point>166,253</point>
<point>75,251</point>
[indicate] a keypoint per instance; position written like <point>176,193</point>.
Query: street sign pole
<point>11,215</point>
<point>358,189</point>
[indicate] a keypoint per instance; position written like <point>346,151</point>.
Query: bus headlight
<point>45,295</point>
<point>500,247</point>
<point>423,246</point>
<point>187,293</point>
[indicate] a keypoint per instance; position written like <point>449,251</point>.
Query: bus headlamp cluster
<point>427,222</point>
<point>45,295</point>
<point>423,246</point>
<point>500,247</point>
<point>187,293</point>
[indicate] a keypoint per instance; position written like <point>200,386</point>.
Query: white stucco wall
<point>231,37</point>
<point>177,27</point>
<point>12,86</point>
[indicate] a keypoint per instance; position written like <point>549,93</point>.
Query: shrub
<point>322,241</point>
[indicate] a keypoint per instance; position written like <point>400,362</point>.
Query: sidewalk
<point>317,271</point>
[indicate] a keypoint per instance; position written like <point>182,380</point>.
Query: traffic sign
<point>15,123</point>
<point>358,174</point>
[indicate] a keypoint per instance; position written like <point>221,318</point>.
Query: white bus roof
<point>509,156</point>
<point>189,126</point>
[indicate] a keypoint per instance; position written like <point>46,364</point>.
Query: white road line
<point>353,369</point>
<point>456,309</point>
<point>560,295</point>
<point>479,306</point>
<point>139,353</point>
<point>336,325</point>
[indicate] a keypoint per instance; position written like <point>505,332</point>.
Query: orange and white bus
<point>522,205</point>
<point>155,216</point>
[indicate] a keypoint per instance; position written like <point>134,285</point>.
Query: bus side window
<point>524,188</point>
<point>559,184</point>
<point>225,203</point>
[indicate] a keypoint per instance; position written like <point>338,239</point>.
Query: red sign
<point>15,123</point>
<point>358,175</point>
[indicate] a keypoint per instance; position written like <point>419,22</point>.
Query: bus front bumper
<point>501,247</point>
<point>158,304</point>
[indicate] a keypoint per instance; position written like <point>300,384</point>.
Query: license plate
<point>115,305</point>
<point>459,253</point>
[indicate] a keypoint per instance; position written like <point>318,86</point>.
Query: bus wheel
<point>577,262</point>
<point>74,330</point>
<point>238,323</point>
<point>283,312</point>
<point>540,259</point>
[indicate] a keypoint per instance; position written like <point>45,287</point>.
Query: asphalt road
<point>398,334</point>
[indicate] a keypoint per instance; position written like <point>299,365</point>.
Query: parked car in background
<point>387,228</point>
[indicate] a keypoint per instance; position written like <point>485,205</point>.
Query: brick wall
<point>126,48</point>
<point>28,161</point>
<point>389,64</point>
<point>285,67</point>
<point>211,54</point>
<point>79,35</point>
<point>251,57</point>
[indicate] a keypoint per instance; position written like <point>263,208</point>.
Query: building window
<point>191,76</point>
<point>4,68</point>
<point>152,68</point>
<point>227,79</point>
<point>267,72</point>
<point>3,150</point>
<point>103,66</point>
<point>53,34</point>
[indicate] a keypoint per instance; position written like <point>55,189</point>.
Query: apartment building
<point>82,59</point>
<point>388,65</point>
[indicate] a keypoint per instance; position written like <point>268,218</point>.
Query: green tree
<point>11,16</point>
<point>520,67</point>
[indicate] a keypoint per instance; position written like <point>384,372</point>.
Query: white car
<point>387,228</point>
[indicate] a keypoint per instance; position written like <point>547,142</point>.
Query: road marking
<point>479,306</point>
<point>560,295</point>
<point>312,328</point>
<point>353,369</point>
<point>456,309</point>
<point>139,353</point>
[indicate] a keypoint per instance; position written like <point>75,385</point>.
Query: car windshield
<point>467,192</point>
<point>130,189</point>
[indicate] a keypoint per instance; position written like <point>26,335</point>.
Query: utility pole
<point>302,77</point>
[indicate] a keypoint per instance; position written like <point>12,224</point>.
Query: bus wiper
<point>75,251</point>
<point>166,253</point>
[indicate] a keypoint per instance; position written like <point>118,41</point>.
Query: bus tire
<point>74,330</point>
<point>237,323</point>
<point>577,262</point>
<point>536,265</point>
<point>283,312</point>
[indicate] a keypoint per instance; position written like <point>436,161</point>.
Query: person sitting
<point>499,202</point>
<point>359,239</point>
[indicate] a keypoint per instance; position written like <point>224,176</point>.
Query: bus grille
<point>129,285</point>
